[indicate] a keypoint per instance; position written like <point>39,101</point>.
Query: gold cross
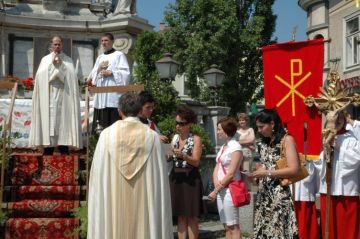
<point>331,102</point>
<point>292,87</point>
<point>332,98</point>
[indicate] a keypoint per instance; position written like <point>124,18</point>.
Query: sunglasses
<point>181,123</point>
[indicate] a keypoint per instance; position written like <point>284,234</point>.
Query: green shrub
<point>3,215</point>
<point>81,213</point>
<point>167,128</point>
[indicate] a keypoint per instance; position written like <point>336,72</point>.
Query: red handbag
<point>238,189</point>
<point>239,193</point>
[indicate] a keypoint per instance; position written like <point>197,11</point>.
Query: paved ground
<point>211,228</point>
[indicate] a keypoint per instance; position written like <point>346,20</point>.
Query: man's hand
<point>164,139</point>
<point>103,66</point>
<point>105,73</point>
<point>57,60</point>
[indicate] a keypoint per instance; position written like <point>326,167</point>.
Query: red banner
<point>293,71</point>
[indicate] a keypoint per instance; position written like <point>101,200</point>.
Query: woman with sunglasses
<point>185,180</point>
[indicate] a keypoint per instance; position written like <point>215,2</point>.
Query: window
<point>352,41</point>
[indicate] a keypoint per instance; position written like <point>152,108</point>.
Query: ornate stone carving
<point>123,43</point>
<point>125,7</point>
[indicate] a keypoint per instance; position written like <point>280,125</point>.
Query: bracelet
<point>269,174</point>
<point>215,191</point>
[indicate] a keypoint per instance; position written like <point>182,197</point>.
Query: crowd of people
<point>133,194</point>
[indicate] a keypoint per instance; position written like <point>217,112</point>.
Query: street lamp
<point>214,78</point>
<point>167,68</point>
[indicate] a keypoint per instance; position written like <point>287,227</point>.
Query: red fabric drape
<point>293,71</point>
<point>344,216</point>
<point>307,220</point>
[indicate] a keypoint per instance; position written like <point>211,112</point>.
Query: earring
<point>273,130</point>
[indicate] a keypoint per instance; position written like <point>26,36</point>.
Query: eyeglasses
<point>181,123</point>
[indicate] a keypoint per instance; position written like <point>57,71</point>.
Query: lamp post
<point>214,78</point>
<point>167,68</point>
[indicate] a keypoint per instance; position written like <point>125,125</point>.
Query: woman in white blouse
<point>246,140</point>
<point>229,159</point>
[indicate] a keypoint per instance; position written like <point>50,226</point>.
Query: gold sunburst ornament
<point>332,97</point>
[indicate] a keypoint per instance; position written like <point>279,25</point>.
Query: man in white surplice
<point>55,117</point>
<point>129,195</point>
<point>111,69</point>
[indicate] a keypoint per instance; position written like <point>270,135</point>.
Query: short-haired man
<point>111,69</point>
<point>147,107</point>
<point>55,116</point>
<point>129,195</point>
<point>353,125</point>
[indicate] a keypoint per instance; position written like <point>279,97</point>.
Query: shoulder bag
<point>282,163</point>
<point>238,190</point>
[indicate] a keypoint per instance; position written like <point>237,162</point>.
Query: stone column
<point>216,113</point>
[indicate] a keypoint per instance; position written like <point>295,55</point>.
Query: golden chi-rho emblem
<point>296,70</point>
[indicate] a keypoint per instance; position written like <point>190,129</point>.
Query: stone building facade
<point>26,27</point>
<point>339,21</point>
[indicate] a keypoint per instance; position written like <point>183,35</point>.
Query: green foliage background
<point>223,32</point>
<point>147,50</point>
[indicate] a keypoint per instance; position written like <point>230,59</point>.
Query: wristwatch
<point>269,174</point>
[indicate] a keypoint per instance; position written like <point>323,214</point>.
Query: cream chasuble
<point>55,117</point>
<point>129,195</point>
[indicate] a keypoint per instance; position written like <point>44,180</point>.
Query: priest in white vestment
<point>55,117</point>
<point>129,195</point>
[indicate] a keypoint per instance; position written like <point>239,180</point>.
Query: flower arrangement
<point>28,83</point>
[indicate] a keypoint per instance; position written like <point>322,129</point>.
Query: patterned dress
<point>186,187</point>
<point>274,209</point>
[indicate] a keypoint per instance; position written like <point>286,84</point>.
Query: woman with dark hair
<point>274,209</point>
<point>228,162</point>
<point>185,181</point>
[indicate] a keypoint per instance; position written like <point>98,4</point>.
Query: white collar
<point>132,119</point>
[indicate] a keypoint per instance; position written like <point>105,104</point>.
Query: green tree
<point>222,32</point>
<point>149,48</point>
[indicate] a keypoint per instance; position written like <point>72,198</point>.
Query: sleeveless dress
<point>274,209</point>
<point>185,184</point>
